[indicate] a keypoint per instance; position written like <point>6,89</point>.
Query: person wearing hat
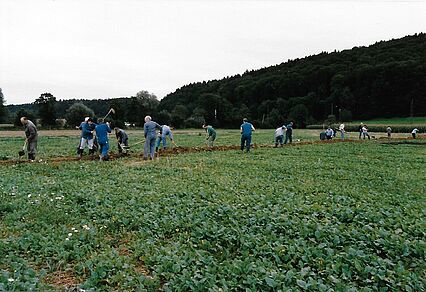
<point>87,128</point>
<point>246,130</point>
<point>102,129</point>
<point>211,135</point>
<point>150,132</point>
<point>31,137</point>
<point>279,135</point>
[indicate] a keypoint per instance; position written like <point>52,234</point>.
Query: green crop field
<point>65,142</point>
<point>339,216</point>
<point>56,143</point>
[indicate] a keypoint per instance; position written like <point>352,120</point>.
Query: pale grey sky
<point>105,48</point>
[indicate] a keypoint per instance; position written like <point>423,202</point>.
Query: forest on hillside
<point>387,79</point>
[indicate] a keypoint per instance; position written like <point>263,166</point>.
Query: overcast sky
<point>104,49</point>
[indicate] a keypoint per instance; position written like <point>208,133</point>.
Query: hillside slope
<point>387,79</point>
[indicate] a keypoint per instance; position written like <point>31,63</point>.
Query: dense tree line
<point>3,110</point>
<point>46,109</point>
<point>387,79</point>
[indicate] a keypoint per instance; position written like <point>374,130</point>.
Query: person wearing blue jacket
<point>150,132</point>
<point>102,130</point>
<point>246,130</point>
<point>87,127</point>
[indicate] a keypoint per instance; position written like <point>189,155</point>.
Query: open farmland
<point>319,217</point>
<point>63,143</point>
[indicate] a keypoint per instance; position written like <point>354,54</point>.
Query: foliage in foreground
<point>318,217</point>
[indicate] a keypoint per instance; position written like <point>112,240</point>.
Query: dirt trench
<point>182,150</point>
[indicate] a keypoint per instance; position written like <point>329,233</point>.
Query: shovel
<point>22,152</point>
<point>123,147</point>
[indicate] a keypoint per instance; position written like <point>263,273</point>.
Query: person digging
<point>279,136</point>
<point>102,130</point>
<point>165,131</point>
<point>122,140</point>
<point>31,138</point>
<point>87,128</point>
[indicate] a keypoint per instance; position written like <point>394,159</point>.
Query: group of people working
<point>95,136</point>
<point>279,134</point>
<point>330,133</point>
<point>101,130</point>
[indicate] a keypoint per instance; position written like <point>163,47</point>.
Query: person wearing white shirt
<point>342,131</point>
<point>414,133</point>
<point>389,132</point>
<point>365,132</point>
<point>279,136</point>
<point>329,133</point>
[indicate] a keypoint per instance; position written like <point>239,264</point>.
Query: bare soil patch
<point>62,280</point>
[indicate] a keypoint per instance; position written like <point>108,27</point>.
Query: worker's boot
<point>31,157</point>
<point>91,152</point>
<point>80,153</point>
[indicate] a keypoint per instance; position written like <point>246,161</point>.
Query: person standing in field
<point>389,132</point>
<point>211,135</point>
<point>365,132</point>
<point>289,133</point>
<point>87,128</point>
<point>246,130</point>
<point>414,132</point>
<point>122,139</point>
<point>102,130</point>
<point>279,135</point>
<point>150,134</point>
<point>31,137</point>
<point>342,131</point>
<point>162,137</point>
<point>360,130</point>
